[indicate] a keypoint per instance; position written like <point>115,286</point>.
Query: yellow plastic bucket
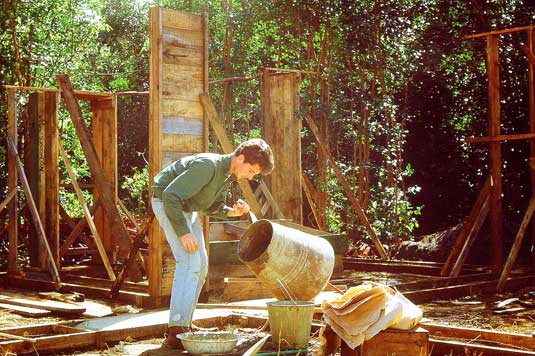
<point>290,323</point>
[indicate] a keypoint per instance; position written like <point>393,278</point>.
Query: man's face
<point>246,170</point>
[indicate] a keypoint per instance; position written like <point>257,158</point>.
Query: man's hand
<point>239,208</point>
<point>189,242</point>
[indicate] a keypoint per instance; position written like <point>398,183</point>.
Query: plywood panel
<point>177,126</point>
<point>282,129</point>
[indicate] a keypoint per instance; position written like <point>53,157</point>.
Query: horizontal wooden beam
<point>233,79</point>
<point>446,347</point>
<point>457,291</point>
<point>499,32</point>
<point>505,338</point>
<point>500,138</point>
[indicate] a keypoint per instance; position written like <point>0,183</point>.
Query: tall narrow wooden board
<point>282,129</point>
<point>177,127</point>
<point>104,123</point>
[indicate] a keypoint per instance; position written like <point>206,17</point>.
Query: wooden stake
<point>34,213</point>
<point>349,193</point>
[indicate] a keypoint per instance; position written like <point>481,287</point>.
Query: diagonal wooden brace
<point>347,189</point>
<point>107,196</point>
<point>34,213</point>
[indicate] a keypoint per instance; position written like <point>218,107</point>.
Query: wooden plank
<point>34,213</point>
<point>227,147</point>
<point>310,192</point>
<point>107,194</point>
<point>12,178</point>
<point>472,235</point>
<point>457,291</point>
<point>134,252</point>
<point>25,311</point>
<point>155,158</point>
<point>78,229</point>
<point>447,347</point>
<point>35,174</point>
<point>507,339</point>
<point>413,342</point>
<point>51,207</point>
<point>87,214</point>
<point>498,32</point>
<point>104,124</point>
<point>531,80</point>
<point>500,138</point>
<point>7,200</point>
<point>181,20</point>
<point>128,214</point>
<point>172,142</point>
<point>181,92</point>
<point>467,227</point>
<point>517,244</point>
<point>238,289</point>
<point>183,75</point>
<point>180,108</point>
<point>39,303</point>
<point>282,131</point>
<point>496,214</point>
<point>347,189</point>
<point>177,37</point>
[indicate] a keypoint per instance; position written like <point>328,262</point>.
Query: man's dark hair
<point>257,151</point>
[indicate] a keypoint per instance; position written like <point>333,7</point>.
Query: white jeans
<point>191,268</point>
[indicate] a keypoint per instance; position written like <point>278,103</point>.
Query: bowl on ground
<point>208,342</point>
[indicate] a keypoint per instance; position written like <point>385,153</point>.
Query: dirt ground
<point>471,312</point>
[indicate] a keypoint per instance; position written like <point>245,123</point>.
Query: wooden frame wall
<point>43,170</point>
<point>177,126</point>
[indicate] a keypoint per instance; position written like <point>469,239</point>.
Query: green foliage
<point>136,188</point>
<point>404,63</point>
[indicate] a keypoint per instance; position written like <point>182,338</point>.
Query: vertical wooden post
<point>205,220</point>
<point>104,122</point>
<point>177,126</point>
<point>155,160</point>
<point>282,130</point>
<point>34,167</point>
<point>496,214</point>
<point>12,178</point>
<point>531,76</point>
<point>51,218</point>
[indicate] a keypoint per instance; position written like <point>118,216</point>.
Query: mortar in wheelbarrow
<point>279,255</point>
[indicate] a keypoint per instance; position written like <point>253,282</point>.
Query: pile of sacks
<point>363,311</point>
